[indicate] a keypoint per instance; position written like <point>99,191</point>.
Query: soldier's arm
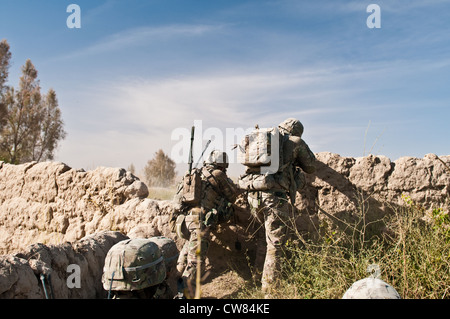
<point>226,185</point>
<point>305,158</point>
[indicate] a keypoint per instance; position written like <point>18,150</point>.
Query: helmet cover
<point>292,126</point>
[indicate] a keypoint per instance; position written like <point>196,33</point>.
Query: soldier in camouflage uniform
<point>218,194</point>
<point>274,208</point>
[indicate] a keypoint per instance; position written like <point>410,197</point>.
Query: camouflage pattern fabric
<point>161,291</point>
<point>274,212</point>
<point>188,263</point>
<point>133,264</point>
<point>169,251</point>
<point>273,203</point>
<point>218,192</point>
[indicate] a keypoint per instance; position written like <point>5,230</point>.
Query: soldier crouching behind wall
<point>140,268</point>
<point>195,218</point>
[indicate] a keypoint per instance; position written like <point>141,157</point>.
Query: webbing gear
<point>145,266</point>
<point>212,181</point>
<point>192,188</point>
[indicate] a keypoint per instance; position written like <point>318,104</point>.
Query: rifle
<point>190,161</point>
<point>204,150</point>
<point>192,182</point>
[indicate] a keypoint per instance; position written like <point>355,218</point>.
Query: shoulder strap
<point>160,259</point>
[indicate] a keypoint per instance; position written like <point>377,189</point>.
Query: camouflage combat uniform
<point>274,208</point>
<point>218,194</point>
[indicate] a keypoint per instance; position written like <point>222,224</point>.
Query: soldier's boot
<point>189,280</point>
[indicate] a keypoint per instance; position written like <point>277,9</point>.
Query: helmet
<point>169,251</point>
<point>133,264</point>
<point>371,288</point>
<point>292,127</point>
<point>217,158</point>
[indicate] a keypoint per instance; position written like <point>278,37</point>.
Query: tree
<point>5,57</point>
<point>160,171</point>
<point>49,131</point>
<point>132,169</point>
<point>32,123</point>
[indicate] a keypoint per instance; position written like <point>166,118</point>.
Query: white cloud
<point>141,36</point>
<point>225,100</point>
<point>140,114</point>
<point>143,113</point>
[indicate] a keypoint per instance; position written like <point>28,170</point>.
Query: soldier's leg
<point>261,249</point>
<point>182,258</point>
<point>258,232</point>
<point>197,247</point>
<point>277,214</point>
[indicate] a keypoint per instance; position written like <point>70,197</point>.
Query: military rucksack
<point>261,151</point>
<point>133,264</point>
<point>190,192</point>
<point>259,182</point>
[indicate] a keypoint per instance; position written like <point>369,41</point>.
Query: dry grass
<point>161,193</point>
<point>413,256</point>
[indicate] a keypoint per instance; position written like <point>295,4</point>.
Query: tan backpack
<point>261,151</point>
<point>191,190</point>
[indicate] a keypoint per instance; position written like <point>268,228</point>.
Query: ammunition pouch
<point>181,228</point>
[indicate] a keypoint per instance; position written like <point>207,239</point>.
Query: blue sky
<point>138,70</point>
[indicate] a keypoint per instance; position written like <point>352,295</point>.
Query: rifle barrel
<point>191,159</point>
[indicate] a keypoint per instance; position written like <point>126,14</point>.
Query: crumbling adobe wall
<point>343,187</point>
<point>52,203</point>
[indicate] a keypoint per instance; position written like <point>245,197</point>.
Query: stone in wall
<point>50,202</point>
